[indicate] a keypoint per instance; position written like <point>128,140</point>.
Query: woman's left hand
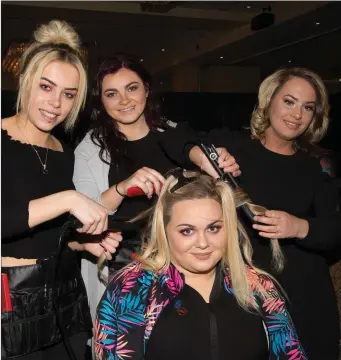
<point>281,225</point>
<point>226,162</point>
<point>107,245</point>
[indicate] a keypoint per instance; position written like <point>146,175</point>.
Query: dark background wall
<point>203,111</point>
<point>206,61</point>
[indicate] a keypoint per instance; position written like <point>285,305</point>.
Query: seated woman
<point>193,292</point>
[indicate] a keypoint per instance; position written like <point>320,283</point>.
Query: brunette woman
<point>128,146</point>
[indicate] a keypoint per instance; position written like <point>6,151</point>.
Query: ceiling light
<point>141,60</point>
<point>317,23</point>
<point>163,49</point>
<point>221,57</point>
<point>340,80</point>
<point>289,61</point>
<point>248,7</point>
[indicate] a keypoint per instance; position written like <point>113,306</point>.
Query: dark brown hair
<point>105,132</point>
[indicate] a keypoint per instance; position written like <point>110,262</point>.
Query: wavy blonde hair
<point>155,254</point>
<point>55,41</point>
<point>268,89</point>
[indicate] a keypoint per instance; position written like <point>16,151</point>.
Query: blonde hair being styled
<point>155,254</point>
<point>55,41</point>
<point>277,261</point>
<point>260,119</point>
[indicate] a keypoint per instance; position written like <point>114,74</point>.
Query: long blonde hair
<point>155,254</point>
<point>278,260</point>
<point>260,119</point>
<point>55,41</point>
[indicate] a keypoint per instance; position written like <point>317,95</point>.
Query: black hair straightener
<point>212,155</point>
<point>114,224</point>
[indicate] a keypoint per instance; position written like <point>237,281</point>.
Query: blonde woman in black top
<point>279,172</point>
<point>37,195</point>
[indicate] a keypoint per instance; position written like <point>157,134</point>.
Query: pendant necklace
<point>43,164</point>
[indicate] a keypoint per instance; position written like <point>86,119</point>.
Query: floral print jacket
<point>135,298</point>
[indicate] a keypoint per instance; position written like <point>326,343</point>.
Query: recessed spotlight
<point>317,23</point>
<point>163,50</point>
<point>248,7</point>
<point>340,80</point>
<point>221,57</point>
<point>141,60</point>
<point>161,82</point>
<point>289,61</point>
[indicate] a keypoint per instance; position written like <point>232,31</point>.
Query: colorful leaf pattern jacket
<point>135,298</point>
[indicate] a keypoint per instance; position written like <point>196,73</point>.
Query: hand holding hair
<point>281,225</point>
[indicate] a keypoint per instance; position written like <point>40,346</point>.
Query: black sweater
<point>294,184</point>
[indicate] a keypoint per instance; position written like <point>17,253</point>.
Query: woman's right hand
<point>226,162</point>
<point>92,215</point>
<point>145,178</point>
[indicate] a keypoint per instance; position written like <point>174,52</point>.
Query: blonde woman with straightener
<point>280,173</point>
<point>37,196</point>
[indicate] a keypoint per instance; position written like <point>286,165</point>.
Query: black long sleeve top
<point>161,151</point>
<point>22,181</point>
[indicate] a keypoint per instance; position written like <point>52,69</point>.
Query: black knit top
<point>22,181</point>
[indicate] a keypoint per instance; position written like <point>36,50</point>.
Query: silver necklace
<point>45,171</point>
